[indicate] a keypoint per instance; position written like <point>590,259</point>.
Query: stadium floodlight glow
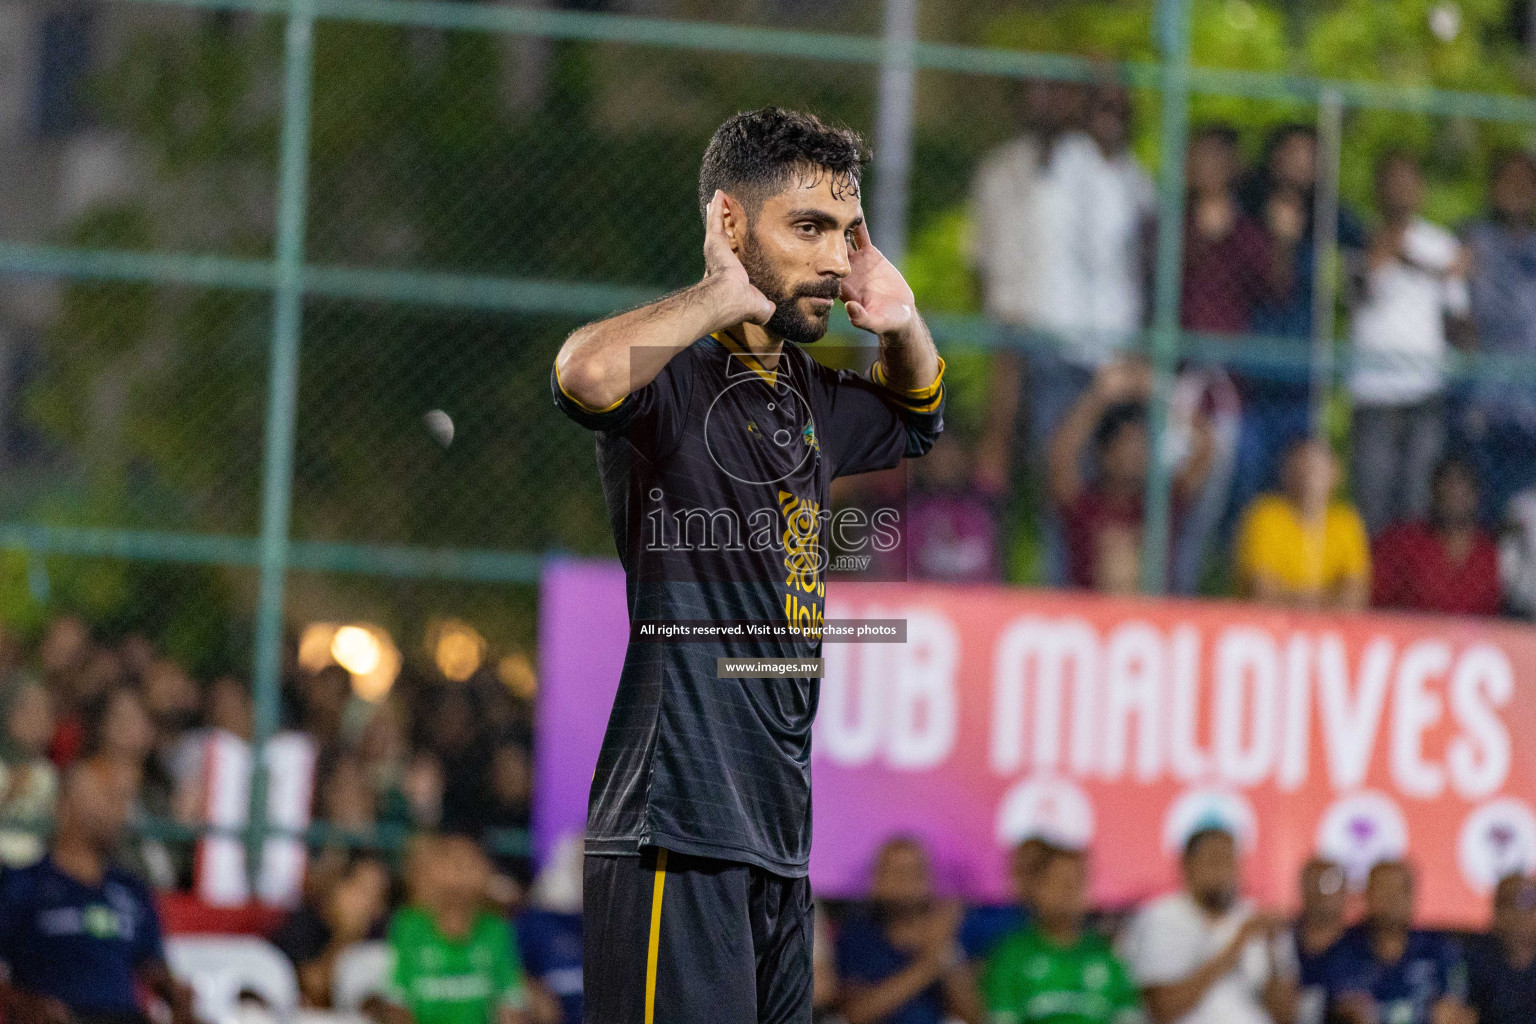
<point>356,649</point>
<point>516,673</point>
<point>459,651</point>
<point>315,646</point>
<point>374,686</point>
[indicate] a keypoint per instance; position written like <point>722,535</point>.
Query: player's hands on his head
<point>875,294</point>
<point>738,298</point>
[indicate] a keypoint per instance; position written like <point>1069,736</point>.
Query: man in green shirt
<point>454,961</point>
<point>1053,972</point>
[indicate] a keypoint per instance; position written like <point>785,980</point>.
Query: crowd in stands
<point>1204,954</point>
<point>423,795</point>
<point>1423,498</point>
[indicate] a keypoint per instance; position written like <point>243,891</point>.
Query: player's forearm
<point>910,359</point>
<point>603,362</point>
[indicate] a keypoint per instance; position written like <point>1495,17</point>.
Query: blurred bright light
<point>375,685</point>
<point>1240,15</point>
<point>516,673</point>
<point>459,651</point>
<point>1445,21</point>
<point>356,649</point>
<point>315,646</point>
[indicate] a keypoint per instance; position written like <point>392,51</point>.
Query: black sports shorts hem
<point>677,939</point>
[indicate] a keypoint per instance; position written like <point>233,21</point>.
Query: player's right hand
<point>738,299</point>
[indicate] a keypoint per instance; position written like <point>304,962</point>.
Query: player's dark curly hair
<point>754,155</point>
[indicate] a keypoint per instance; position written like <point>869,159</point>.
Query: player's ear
<point>735,218</point>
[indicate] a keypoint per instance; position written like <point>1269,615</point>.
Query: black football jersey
<point>716,476</point>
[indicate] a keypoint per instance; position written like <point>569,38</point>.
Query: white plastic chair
<point>220,967</point>
<point>361,970</point>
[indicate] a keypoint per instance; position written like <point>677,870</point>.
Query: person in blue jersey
<point>79,936</point>
<point>1386,971</point>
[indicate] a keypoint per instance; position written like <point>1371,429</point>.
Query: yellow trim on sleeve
<point>583,406</point>
<point>877,374</point>
<point>655,944</point>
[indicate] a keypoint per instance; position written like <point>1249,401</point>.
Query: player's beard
<point>788,322</point>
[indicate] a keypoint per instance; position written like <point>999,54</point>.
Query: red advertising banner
<point>1125,725</point>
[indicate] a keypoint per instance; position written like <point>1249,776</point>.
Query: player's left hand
<point>875,294</point>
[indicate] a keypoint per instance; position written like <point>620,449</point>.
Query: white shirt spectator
<point>1173,938</point>
<point>1059,246</point>
<point>1399,327</point>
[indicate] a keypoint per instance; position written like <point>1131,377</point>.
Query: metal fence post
<point>1325,238</point>
<point>282,391</point>
<point>893,129</point>
<point>1173,26</point>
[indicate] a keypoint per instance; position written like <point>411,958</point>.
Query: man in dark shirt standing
<point>717,444</point>
<point>78,934</point>
<point>1501,966</point>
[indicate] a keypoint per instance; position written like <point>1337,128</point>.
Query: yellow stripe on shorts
<point>655,946</point>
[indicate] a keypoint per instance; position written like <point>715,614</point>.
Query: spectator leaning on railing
<point>1102,510</point>
<point>1446,563</point>
<point>1302,546</point>
<point>1413,299</point>
<point>1499,422</point>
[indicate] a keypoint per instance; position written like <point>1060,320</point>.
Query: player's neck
<point>756,340</point>
<point>79,860</point>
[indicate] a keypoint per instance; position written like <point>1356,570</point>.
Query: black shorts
<point>674,939</point>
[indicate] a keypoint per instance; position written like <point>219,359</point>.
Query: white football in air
<point>440,425</point>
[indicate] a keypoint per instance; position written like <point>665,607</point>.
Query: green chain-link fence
<point>289,241</point>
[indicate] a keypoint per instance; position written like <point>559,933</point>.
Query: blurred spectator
<point>1517,554</point>
<point>1103,510</point>
<point>510,786</point>
<point>1054,970</point>
<point>79,935</point>
<point>1229,263</point>
<point>1276,395</point>
<point>454,961</point>
<point>1501,966</point>
<point>1276,193</point>
<point>453,738</point>
<point>824,993</point>
<point>986,926</point>
<point>1205,955</point>
<point>1415,278</point>
<point>1501,418</point>
<point>1062,219</point>
<point>29,784</point>
<point>952,531</point>
<point>1447,564</point>
<point>1324,900</point>
<point>338,910</point>
<point>901,962</point>
<point>1303,547</point>
<point>324,696</point>
<point>345,797</point>
<point>1385,970</point>
<point>1012,248</point>
<point>549,932</point>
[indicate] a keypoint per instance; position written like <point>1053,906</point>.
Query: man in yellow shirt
<point>1303,547</point>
